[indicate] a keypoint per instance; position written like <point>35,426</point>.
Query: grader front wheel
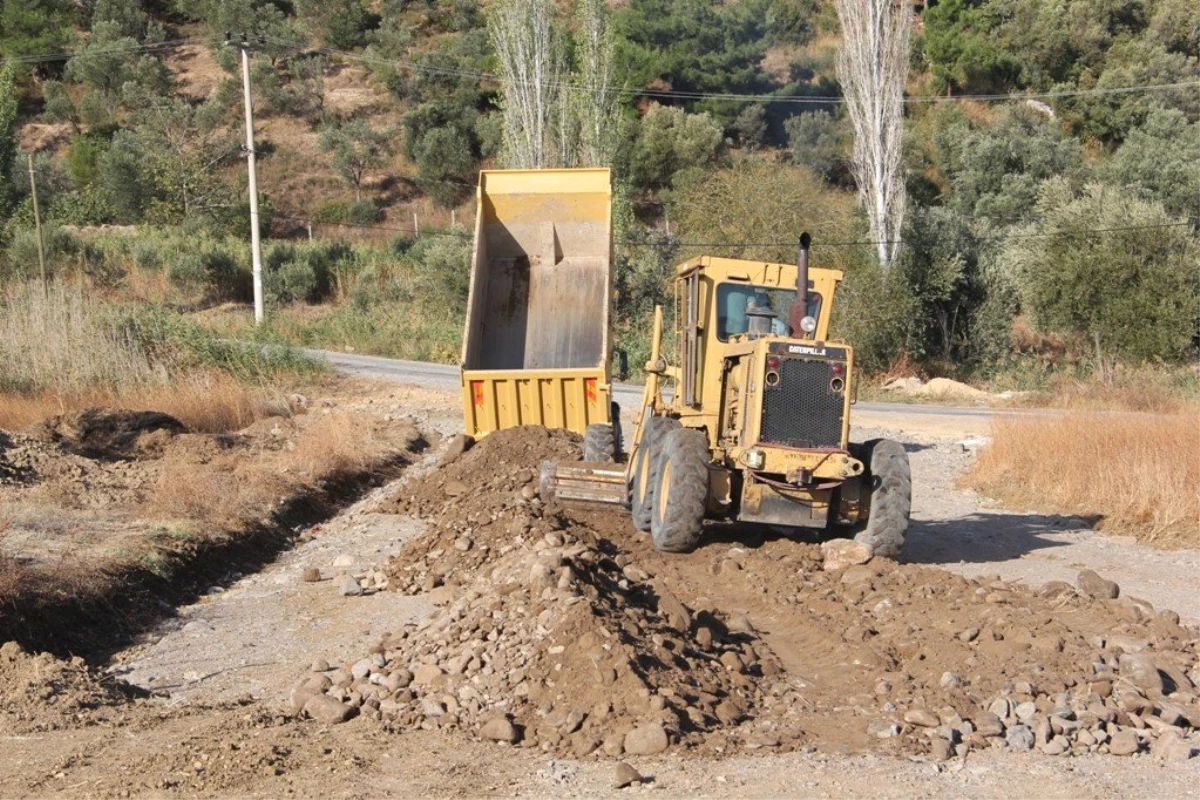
<point>644,478</point>
<point>680,491</point>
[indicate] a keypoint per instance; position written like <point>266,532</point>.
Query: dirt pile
<point>562,629</point>
<point>483,501</point>
<point>547,636</point>
<point>42,692</point>
<point>111,432</point>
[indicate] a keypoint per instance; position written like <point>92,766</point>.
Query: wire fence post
<point>37,224</point>
<point>416,226</point>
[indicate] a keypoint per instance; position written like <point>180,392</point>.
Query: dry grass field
<point>1139,472</point>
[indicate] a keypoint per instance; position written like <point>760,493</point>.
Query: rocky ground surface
<point>452,634</point>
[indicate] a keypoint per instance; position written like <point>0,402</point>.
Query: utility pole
<point>255,237</point>
<point>37,224</point>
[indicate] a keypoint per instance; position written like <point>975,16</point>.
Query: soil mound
<point>560,628</point>
<point>41,692</point>
<point>112,432</point>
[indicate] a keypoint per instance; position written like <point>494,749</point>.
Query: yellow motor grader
<point>756,426</point>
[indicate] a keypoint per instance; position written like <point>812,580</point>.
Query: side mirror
<point>622,365</point>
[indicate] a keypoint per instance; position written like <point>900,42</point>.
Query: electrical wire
<point>747,98</point>
<point>147,47</point>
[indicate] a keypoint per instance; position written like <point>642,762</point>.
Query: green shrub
<point>363,211</point>
<point>1088,271</point>
<point>62,250</point>
<point>206,272</point>
<point>304,273</point>
<point>443,270</point>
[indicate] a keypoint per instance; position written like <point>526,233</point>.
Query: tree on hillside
<point>596,102</point>
<point>127,16</point>
<point>341,23</point>
<point>872,68</point>
<point>357,148</point>
<point>8,143</point>
<point>1117,271</point>
<point>32,28</point>
<point>671,140</point>
<point>166,167</point>
<point>531,71</point>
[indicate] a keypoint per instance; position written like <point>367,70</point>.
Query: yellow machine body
<point>535,347</point>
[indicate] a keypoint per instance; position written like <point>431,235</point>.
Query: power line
<point>749,98</point>
<point>147,47</point>
<point>625,91</point>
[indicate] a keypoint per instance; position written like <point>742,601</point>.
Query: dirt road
<point>222,671</point>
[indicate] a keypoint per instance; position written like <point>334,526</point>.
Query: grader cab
<point>756,428</point>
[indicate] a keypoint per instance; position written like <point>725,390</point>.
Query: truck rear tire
<point>890,478</point>
<point>600,443</point>
<point>641,488</point>
<point>680,491</point>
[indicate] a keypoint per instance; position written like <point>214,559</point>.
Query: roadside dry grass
<point>206,402</point>
<point>1139,472</point>
<point>232,487</point>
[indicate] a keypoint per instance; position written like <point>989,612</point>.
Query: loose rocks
<point>646,740</point>
<point>626,775</point>
<point>498,730</point>
<point>1092,585</point>
<point>842,553</point>
<point>326,710</point>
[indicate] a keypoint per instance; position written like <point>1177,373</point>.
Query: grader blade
<point>583,482</point>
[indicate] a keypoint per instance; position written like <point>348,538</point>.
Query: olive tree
<point>1111,268</point>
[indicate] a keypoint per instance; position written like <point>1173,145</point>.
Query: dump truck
<point>535,348</point>
<point>756,428</point>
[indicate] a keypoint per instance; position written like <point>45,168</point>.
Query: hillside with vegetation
<point>1049,159</point>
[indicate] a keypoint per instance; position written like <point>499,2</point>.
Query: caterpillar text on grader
<point>756,426</point>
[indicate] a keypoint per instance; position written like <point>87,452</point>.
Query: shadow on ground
<point>985,537</point>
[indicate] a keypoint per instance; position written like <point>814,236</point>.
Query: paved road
<point>446,376</point>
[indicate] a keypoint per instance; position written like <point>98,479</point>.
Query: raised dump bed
<point>535,348</point>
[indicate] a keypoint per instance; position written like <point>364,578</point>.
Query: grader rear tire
<point>641,489</point>
<point>680,491</point>
<point>600,443</point>
<point>890,478</point>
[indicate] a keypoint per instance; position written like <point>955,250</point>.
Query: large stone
<point>498,730</point>
<point>426,674</point>
<point>458,445</point>
<point>626,776</point>
<point>1170,747</point>
<point>988,724</point>
<point>326,710</point>
<point>922,717</point>
<point>1124,743</point>
<point>348,587</point>
<point>941,749</point>
<point>1093,585</point>
<point>1019,737</point>
<point>1141,671</point>
<point>883,729</point>
<point>842,553</point>
<point>646,740</point>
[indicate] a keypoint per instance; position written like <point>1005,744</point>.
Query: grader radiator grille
<point>802,410</point>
